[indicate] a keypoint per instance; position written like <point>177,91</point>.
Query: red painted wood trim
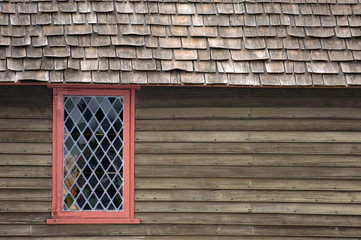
<point>93,217</point>
<point>93,221</point>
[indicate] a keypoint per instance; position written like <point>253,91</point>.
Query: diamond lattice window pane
<point>93,153</point>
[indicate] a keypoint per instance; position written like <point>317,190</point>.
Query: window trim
<point>58,216</point>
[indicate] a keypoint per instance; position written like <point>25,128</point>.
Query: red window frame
<point>58,216</point>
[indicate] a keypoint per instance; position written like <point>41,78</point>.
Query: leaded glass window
<point>93,153</point>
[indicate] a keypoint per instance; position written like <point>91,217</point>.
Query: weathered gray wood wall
<point>211,163</point>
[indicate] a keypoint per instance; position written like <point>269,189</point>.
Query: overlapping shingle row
<point>298,43</point>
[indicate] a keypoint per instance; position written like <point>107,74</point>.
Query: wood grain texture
<point>210,163</point>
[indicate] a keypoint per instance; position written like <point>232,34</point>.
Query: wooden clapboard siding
<point>210,163</point>
<point>255,157</point>
<point>25,158</point>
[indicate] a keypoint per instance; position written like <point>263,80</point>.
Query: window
<point>93,176</point>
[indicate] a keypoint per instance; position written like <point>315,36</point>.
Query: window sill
<point>93,221</point>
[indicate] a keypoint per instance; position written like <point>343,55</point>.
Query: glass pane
<point>93,153</point>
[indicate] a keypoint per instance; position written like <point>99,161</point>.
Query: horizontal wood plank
<point>14,124</point>
<point>307,231</point>
<point>23,218</point>
<point>247,183</point>
<point>25,183</point>
<point>249,124</point>
<point>269,148</point>
<point>26,148</point>
<point>246,136</point>
<point>251,219</point>
<point>248,196</point>
<point>139,230</point>
<point>273,160</point>
<point>246,172</point>
<point>307,208</point>
<point>249,112</point>
<point>192,207</point>
<point>21,137</point>
<point>39,112</point>
<point>25,206</point>
<point>25,171</point>
<point>25,195</point>
<point>25,160</point>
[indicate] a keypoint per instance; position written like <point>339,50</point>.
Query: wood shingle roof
<point>251,43</point>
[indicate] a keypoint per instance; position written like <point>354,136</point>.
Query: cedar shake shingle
<point>303,43</point>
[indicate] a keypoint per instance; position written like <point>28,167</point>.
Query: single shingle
<point>56,76</point>
<point>167,8</point>
<point>106,29</point>
<point>57,52</point>
<point>185,8</point>
<point>303,79</point>
<point>20,20</point>
<point>225,8</point>
<point>181,20</point>
<point>319,55</point>
<point>124,7</point>
<point>7,76</point>
<point>334,80</point>
<point>203,31</point>
<point>206,8</point>
<point>321,9</point>
<point>205,66</point>
<point>216,78</point>
<point>173,42</point>
<point>328,21</point>
<point>220,54</point>
<point>320,32</point>
<point>7,7</point>
<point>77,76</point>
<point>128,40</point>
<point>336,56</point>
<point>144,65</point>
<point>78,29</point>
<point>105,76</point>
<point>99,40</point>
<point>323,68</point>
<point>224,43</point>
<point>292,9</point>
<point>60,63</point>
<point>183,54</point>
<point>103,6</point>
<point>343,32</point>
<point>89,64</point>
<point>177,65</point>
<point>275,67</point>
<point>67,7</point>
<point>214,20</point>
<point>177,31</point>
<point>144,53</point>
<point>33,75</point>
<point>233,67</point>
<point>254,8</point>
<point>41,19</point>
<point>257,66</point>
<point>125,52</point>
<point>287,79</point>
<point>163,54</point>
<point>333,44</point>
<point>351,67</point>
<point>192,78</point>
<point>269,80</point>
<point>159,78</point>
<point>353,79</point>
<point>341,9</point>
<point>32,64</point>
<point>354,21</point>
<point>62,19</point>
<point>255,43</point>
<point>57,41</point>
<point>158,31</point>
<point>243,79</point>
<point>307,21</point>
<point>353,44</point>
<point>243,55</point>
<point>230,32</point>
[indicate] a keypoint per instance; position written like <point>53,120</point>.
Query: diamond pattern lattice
<point>93,153</point>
